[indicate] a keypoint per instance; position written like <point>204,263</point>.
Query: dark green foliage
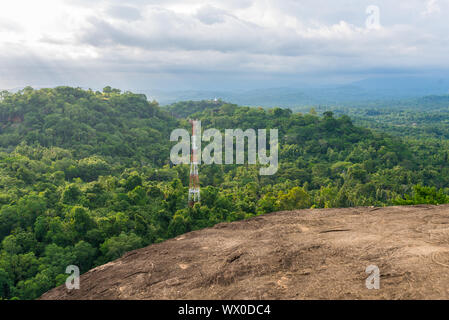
<point>186,108</point>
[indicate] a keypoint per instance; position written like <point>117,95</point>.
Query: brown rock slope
<point>306,254</point>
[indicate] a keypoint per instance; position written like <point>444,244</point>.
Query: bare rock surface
<point>304,254</point>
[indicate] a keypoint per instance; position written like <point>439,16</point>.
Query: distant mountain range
<point>369,90</point>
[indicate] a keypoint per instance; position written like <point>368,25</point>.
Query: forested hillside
<point>124,127</point>
<point>85,176</point>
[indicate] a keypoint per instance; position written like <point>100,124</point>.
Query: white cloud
<point>74,39</point>
<point>432,7</point>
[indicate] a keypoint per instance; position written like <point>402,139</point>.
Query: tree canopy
<point>85,176</point>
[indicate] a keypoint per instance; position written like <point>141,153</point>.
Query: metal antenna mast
<point>194,185</point>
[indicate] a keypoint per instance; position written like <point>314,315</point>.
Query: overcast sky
<point>228,44</point>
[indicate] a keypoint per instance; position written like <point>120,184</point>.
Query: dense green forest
<point>85,176</point>
<point>421,118</point>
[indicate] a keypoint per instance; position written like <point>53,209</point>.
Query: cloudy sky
<point>227,44</point>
